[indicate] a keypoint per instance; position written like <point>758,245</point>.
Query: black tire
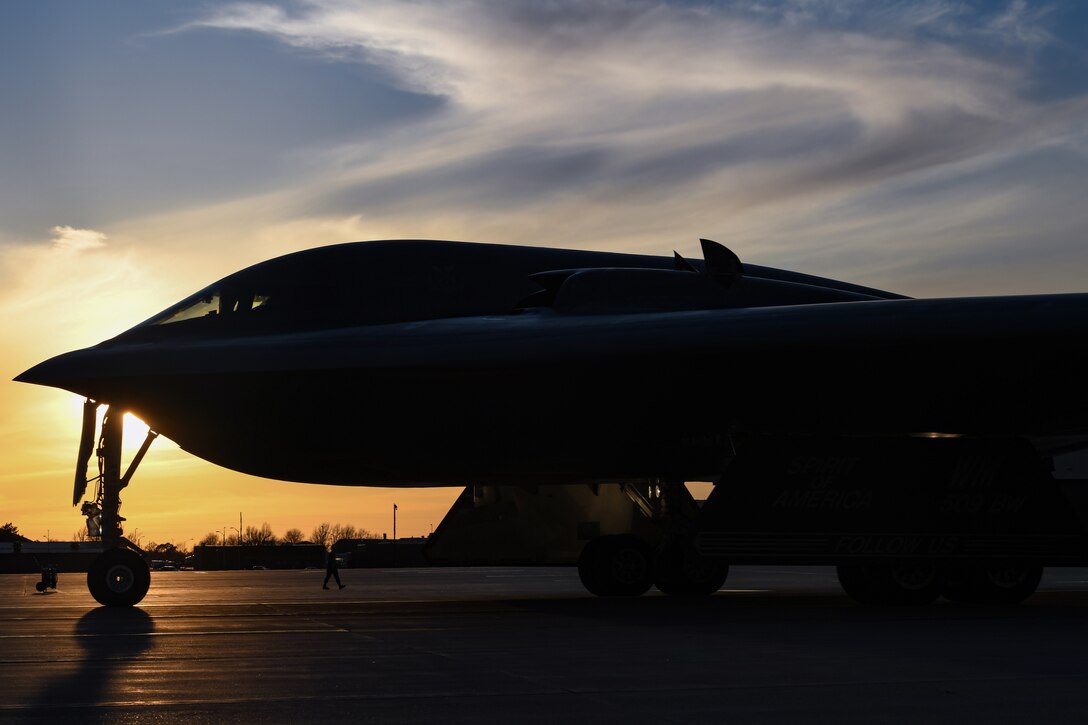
<point>892,584</point>
<point>588,567</point>
<point>119,578</point>
<point>40,586</point>
<point>616,566</point>
<point>628,565</point>
<point>680,571</point>
<point>994,582</point>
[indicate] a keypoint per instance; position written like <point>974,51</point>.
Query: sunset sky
<point>937,147</point>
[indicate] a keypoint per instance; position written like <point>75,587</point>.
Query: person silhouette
<point>332,569</point>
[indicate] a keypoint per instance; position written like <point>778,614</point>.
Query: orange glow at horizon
<point>63,300</point>
<point>177,497</point>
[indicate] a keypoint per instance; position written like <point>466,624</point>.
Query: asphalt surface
<point>778,645</point>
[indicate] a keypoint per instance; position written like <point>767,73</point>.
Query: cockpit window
<point>206,304</point>
<point>214,303</point>
<point>231,302</point>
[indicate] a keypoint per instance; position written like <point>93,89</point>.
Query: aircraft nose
<point>67,371</point>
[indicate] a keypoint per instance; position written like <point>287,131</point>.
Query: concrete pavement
<point>780,644</point>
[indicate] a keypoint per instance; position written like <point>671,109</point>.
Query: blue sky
<point>107,116</point>
<point>937,147</point>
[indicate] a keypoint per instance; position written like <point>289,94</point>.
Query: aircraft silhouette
<point>430,363</point>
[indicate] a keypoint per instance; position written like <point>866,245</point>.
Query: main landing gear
<point>625,565</point>
<point>914,582</point>
<point>119,577</point>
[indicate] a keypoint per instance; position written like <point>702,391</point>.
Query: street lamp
<point>239,546</point>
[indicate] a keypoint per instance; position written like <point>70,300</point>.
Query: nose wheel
<point>119,578</point>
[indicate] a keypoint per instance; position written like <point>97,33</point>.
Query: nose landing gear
<point>119,577</point>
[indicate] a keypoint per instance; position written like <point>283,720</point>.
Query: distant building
<point>30,556</point>
<point>271,556</point>
<point>378,553</point>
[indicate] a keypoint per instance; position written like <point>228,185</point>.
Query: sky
<point>932,148</point>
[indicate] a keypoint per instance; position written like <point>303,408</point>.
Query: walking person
<point>332,569</point>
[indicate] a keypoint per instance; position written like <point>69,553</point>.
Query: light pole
<point>239,546</point>
<point>396,559</point>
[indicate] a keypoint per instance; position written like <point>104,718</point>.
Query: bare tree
<point>80,534</point>
<point>260,536</point>
<point>343,531</point>
<point>210,539</point>
<point>322,534</point>
<point>294,536</point>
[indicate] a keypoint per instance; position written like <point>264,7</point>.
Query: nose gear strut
<point>120,576</point>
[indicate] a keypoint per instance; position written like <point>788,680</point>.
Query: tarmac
<point>528,645</point>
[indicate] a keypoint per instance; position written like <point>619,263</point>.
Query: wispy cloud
<point>59,286</point>
<point>70,239</point>
<point>625,103</point>
<point>1021,24</point>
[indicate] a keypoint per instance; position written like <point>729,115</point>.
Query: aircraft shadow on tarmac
<point>765,606</point>
<point>109,639</point>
